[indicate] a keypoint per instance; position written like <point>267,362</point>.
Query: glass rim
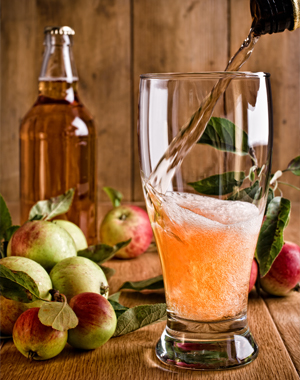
<point>207,75</point>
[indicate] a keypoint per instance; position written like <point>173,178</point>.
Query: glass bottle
<point>273,16</point>
<point>58,138</point>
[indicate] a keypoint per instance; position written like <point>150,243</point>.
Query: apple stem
<point>31,355</point>
<point>104,289</point>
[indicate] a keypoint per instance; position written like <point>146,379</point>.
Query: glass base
<point>206,345</point>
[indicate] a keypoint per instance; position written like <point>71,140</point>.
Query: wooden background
<point>115,42</point>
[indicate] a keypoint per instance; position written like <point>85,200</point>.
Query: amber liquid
<point>57,152</point>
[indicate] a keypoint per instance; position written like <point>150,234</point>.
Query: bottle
<point>273,16</point>
<point>58,138</point>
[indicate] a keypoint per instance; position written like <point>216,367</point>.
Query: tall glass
<point>206,211</point>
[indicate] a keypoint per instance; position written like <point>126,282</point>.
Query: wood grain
<point>175,36</point>
<point>132,356</point>
<point>274,322</point>
<point>102,55</point>
<point>278,54</point>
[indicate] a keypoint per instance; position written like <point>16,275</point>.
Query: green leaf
<point>223,135</point>
<point>18,286</point>
<point>114,195</point>
<point>219,184</point>
<point>247,194</point>
<point>5,218</point>
<point>102,252</point>
<point>9,232</point>
<point>114,297</point>
<point>59,315</point>
<point>151,284</point>
<point>118,308</point>
<point>270,239</point>
<point>140,316</point>
<point>109,272</point>
<point>294,166</point>
<point>52,207</point>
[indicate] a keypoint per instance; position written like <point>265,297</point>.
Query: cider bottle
<point>58,138</point>
<point>273,16</point>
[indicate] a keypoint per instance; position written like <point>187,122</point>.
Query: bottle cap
<point>62,30</point>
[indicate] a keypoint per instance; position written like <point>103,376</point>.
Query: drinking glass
<point>206,201</point>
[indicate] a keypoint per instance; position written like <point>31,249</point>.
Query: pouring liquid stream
<point>191,132</point>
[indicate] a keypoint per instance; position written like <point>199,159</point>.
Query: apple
<point>35,340</point>
<point>253,275</point>
<point>10,310</point>
<point>285,271</point>
<point>42,241</point>
<point>74,231</point>
<point>123,223</point>
<point>97,321</point>
<point>76,275</point>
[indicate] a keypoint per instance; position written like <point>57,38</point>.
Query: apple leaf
<point>118,308</point>
<point>153,283</point>
<point>102,252</point>
<point>109,272</point>
<point>294,166</point>
<point>270,239</point>
<point>59,315</point>
<point>223,135</point>
<point>114,195</point>
<point>140,316</point>
<point>49,208</point>
<point>5,218</point>
<point>219,184</point>
<point>114,297</point>
<point>18,286</point>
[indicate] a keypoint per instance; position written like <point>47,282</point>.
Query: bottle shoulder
<point>56,117</point>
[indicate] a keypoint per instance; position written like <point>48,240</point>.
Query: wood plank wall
<point>115,42</point>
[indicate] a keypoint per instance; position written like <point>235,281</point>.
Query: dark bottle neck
<point>272,16</point>
<point>58,63</point>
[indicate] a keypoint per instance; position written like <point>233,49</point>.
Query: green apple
<point>10,310</point>
<point>74,231</point>
<point>97,321</point>
<point>42,241</point>
<point>78,274</point>
<point>35,340</point>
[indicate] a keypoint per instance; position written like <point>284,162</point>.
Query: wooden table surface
<point>274,322</point>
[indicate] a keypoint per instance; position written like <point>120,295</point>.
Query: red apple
<point>253,275</point>
<point>123,223</point>
<point>97,321</point>
<point>35,340</point>
<point>285,271</point>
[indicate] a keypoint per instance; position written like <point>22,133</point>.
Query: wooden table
<point>274,322</point>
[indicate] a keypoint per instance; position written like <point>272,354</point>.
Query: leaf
<point>118,308</point>
<point>140,316</point>
<point>219,184</point>
<point>102,252</point>
<point>18,286</point>
<point>5,218</point>
<point>270,239</point>
<point>109,272</point>
<point>114,195</point>
<point>246,194</point>
<point>59,315</point>
<point>151,284</point>
<point>223,135</point>
<point>294,166</point>
<point>52,207</point>
<point>9,232</point>
<point>114,297</point>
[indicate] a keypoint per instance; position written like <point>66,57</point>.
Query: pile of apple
<point>38,248</point>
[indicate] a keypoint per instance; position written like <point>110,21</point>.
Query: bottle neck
<point>58,63</point>
<point>58,90</point>
<point>274,16</point>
